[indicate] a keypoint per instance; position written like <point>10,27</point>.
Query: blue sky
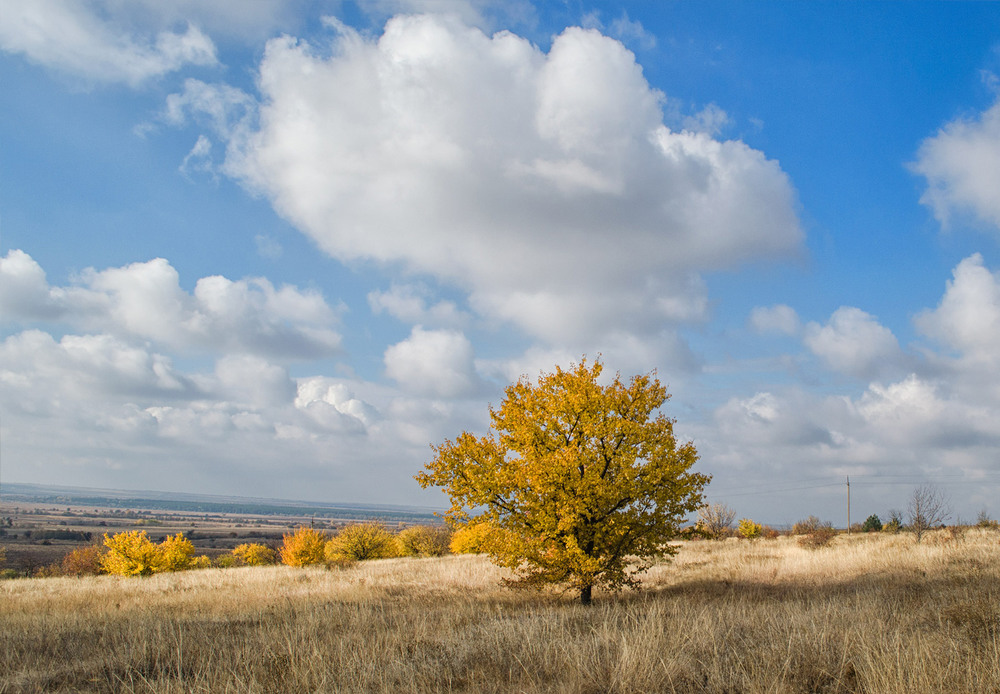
<point>279,249</point>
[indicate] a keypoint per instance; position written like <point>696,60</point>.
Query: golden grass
<point>867,614</point>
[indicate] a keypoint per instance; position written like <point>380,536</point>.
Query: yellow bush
<point>749,530</point>
<point>362,541</point>
<point>131,553</point>
<point>201,562</point>
<point>254,554</point>
<point>175,553</point>
<point>304,547</point>
<point>474,538</point>
<point>423,541</point>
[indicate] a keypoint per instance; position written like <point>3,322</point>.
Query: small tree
<point>872,524</point>
<point>583,479</point>
<point>304,547</point>
<point>895,522</point>
<point>716,520</point>
<point>749,530</point>
<point>83,561</point>
<point>927,509</point>
<point>362,541</point>
<point>423,541</point>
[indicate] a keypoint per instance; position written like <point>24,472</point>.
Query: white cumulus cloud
<point>968,317</point>
<point>433,362</point>
<point>79,39</point>
<point>545,185</point>
<point>962,166</point>
<point>145,300</point>
<point>412,303</point>
<point>853,342</point>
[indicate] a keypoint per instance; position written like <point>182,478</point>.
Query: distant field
<point>874,613</point>
<point>39,525</point>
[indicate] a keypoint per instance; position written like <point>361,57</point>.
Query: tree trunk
<point>585,595</point>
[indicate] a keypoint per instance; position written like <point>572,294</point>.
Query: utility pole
<point>848,504</point>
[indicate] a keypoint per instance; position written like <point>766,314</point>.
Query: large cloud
<point>79,39</point>
<point>145,300</point>
<point>962,166</point>
<point>544,184</point>
<point>968,318</point>
<point>436,363</point>
<point>853,342</point>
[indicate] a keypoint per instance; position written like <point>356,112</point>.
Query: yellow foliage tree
<point>254,554</point>
<point>423,541</point>
<point>175,553</point>
<point>362,541</point>
<point>131,553</point>
<point>472,538</point>
<point>304,547</point>
<point>580,477</point>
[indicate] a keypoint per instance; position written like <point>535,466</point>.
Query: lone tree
<point>927,509</point>
<point>716,520</point>
<point>579,484</point>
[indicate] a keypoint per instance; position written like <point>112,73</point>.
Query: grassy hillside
<point>868,613</point>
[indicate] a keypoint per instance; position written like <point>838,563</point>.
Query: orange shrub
<point>84,561</point>
<point>304,547</point>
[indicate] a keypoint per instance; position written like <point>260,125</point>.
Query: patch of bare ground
<point>866,614</point>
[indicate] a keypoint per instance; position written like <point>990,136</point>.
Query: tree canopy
<point>581,484</point>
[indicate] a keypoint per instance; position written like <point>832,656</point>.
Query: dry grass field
<point>866,614</point>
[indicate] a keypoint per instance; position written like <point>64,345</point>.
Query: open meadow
<point>868,613</point>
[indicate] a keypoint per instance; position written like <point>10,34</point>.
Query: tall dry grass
<point>867,614</point>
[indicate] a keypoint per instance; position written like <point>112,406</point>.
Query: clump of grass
<point>873,613</point>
